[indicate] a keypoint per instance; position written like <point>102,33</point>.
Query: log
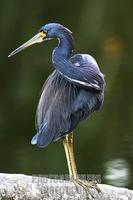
<point>25,187</point>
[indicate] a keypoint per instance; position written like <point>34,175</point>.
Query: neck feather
<point>62,54</point>
<point>65,46</point>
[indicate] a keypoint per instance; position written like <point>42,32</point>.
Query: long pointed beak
<point>38,38</point>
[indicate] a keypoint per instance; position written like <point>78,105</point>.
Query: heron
<point>73,91</point>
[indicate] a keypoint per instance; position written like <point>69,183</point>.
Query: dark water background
<point>103,143</point>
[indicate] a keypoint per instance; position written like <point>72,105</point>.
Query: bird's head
<point>46,32</point>
<point>54,30</point>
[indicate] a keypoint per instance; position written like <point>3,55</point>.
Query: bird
<point>73,91</point>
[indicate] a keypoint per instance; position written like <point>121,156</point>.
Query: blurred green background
<point>103,143</point>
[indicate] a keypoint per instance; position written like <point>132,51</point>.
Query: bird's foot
<point>86,185</point>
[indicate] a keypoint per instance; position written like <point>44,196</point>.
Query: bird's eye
<point>43,33</point>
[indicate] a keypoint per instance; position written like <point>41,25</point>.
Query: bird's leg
<point>68,146</point>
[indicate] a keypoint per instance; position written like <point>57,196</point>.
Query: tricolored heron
<point>71,93</point>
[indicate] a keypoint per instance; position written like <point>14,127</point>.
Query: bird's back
<point>89,70</point>
<point>63,103</point>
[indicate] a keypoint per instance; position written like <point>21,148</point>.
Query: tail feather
<point>34,139</point>
<point>43,137</point>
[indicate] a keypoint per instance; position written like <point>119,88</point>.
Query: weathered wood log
<point>23,187</point>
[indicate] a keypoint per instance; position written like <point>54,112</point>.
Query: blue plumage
<point>71,93</point>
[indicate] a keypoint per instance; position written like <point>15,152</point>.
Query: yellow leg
<point>68,146</point>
